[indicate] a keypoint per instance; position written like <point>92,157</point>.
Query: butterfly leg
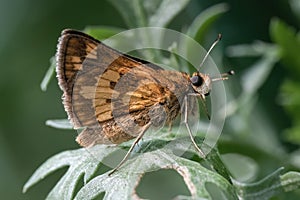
<point>188,127</point>
<point>202,99</point>
<point>145,128</point>
<point>170,126</point>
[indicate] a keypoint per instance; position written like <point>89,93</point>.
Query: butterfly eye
<point>197,80</point>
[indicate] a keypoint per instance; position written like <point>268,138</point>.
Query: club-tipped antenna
<point>223,76</point>
<point>211,48</point>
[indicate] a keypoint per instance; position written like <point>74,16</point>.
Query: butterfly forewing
<point>113,95</point>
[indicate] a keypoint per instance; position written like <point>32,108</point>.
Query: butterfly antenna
<point>223,76</point>
<point>211,48</point>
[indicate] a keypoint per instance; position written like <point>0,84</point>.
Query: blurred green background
<point>28,38</point>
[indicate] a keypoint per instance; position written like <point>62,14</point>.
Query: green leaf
<point>124,182</point>
<point>292,134</point>
<point>199,27</point>
<point>295,158</point>
<point>258,48</point>
<point>102,32</point>
<point>257,74</point>
<point>269,186</point>
<point>254,77</point>
<point>217,164</point>
<point>204,20</point>
<point>81,162</point>
<point>132,12</point>
<point>49,74</point>
<point>288,40</point>
<point>156,155</point>
<point>166,11</point>
<point>144,13</point>
<point>59,123</point>
<point>241,167</point>
<point>295,7</point>
<point>290,97</point>
<point>141,13</point>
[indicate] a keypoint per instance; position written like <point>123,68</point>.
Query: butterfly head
<point>201,83</point>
